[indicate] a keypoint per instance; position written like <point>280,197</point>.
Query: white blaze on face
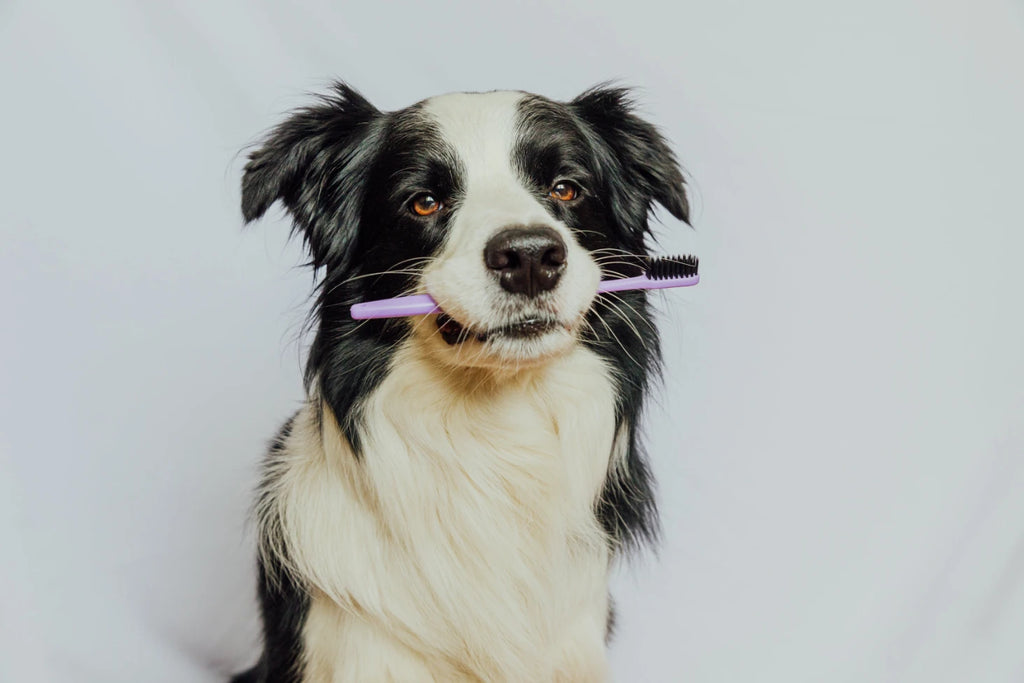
<point>481,130</point>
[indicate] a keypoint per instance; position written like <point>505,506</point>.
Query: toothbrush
<point>660,273</point>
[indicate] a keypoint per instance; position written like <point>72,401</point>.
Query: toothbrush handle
<point>424,304</point>
<point>644,282</point>
<point>418,304</point>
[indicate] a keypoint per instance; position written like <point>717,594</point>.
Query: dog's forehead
<point>480,128</point>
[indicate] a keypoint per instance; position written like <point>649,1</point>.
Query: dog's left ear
<point>316,163</point>
<point>644,168</point>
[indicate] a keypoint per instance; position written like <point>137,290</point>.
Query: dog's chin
<point>524,341</point>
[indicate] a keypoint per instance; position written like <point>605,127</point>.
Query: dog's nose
<point>526,260</point>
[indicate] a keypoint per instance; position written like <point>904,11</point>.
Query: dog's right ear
<point>316,163</point>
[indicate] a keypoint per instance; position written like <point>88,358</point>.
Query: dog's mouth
<point>453,332</point>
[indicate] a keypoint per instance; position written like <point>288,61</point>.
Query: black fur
<point>344,171</point>
<point>283,602</point>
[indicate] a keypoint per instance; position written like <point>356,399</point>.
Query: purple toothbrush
<point>661,273</point>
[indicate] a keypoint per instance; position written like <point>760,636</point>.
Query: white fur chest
<point>463,543</point>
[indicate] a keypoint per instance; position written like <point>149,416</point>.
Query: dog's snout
<point>526,260</point>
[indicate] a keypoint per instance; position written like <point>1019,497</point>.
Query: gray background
<point>839,440</point>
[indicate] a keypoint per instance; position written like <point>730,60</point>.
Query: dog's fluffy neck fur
<point>477,494</point>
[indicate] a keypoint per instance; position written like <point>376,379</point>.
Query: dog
<point>446,504</point>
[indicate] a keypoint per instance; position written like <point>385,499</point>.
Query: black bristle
<point>672,266</point>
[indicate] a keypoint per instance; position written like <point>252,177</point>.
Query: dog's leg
<point>581,654</point>
<point>582,657</point>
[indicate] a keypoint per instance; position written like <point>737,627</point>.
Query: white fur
<point>481,130</point>
<point>463,547</point>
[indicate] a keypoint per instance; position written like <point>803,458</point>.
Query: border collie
<point>446,504</point>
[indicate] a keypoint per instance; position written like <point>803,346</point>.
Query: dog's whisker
<point>627,320</point>
<point>619,342</point>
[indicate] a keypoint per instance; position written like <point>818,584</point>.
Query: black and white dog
<point>447,503</point>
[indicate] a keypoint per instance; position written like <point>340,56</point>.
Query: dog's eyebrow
<point>430,170</point>
<point>574,171</point>
<point>421,168</point>
<point>546,161</point>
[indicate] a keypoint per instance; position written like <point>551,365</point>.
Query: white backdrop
<point>839,442</point>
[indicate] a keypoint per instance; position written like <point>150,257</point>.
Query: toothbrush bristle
<point>671,267</point>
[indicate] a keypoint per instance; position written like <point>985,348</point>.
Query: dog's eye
<point>564,191</point>
<point>425,204</point>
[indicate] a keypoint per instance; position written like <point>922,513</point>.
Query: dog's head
<point>508,208</point>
